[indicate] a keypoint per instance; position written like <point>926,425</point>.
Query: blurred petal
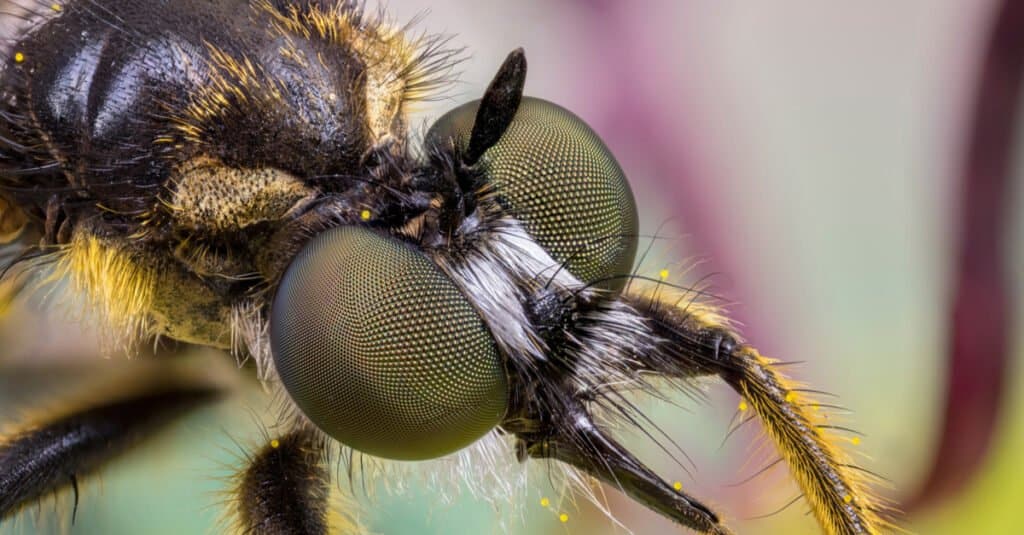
<point>979,324</point>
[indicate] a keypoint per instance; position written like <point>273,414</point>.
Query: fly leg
<point>564,407</point>
<point>51,454</point>
<point>696,340</point>
<point>285,487</point>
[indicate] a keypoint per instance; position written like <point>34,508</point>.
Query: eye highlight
<point>382,351</point>
<point>556,176</point>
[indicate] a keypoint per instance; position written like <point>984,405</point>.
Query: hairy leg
<point>698,340</point>
<point>53,453</point>
<point>285,487</point>
<point>563,407</point>
<point>600,347</point>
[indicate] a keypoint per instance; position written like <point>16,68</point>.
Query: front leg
<point>563,406</point>
<point>698,340</point>
<point>601,346</point>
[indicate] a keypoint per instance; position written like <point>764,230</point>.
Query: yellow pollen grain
<point>19,57</point>
<point>847,498</point>
<point>563,518</point>
<point>663,274</point>
<point>678,486</point>
<point>55,7</point>
<point>275,443</point>
<point>544,502</point>
<point>365,215</point>
<point>742,406</point>
<point>790,397</point>
<point>855,441</point>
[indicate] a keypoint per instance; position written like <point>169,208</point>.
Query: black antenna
<point>498,106</point>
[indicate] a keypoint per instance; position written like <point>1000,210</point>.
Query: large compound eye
<point>558,178</point>
<point>381,350</point>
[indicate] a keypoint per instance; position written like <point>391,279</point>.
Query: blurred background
<point>812,159</point>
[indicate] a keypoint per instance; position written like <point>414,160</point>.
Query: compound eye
<point>382,351</point>
<point>556,176</point>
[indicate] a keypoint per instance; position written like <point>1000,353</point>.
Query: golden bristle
<point>118,289</point>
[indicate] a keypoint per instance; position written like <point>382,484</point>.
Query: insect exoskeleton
<point>238,174</point>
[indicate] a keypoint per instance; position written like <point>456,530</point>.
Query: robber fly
<point>239,173</point>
